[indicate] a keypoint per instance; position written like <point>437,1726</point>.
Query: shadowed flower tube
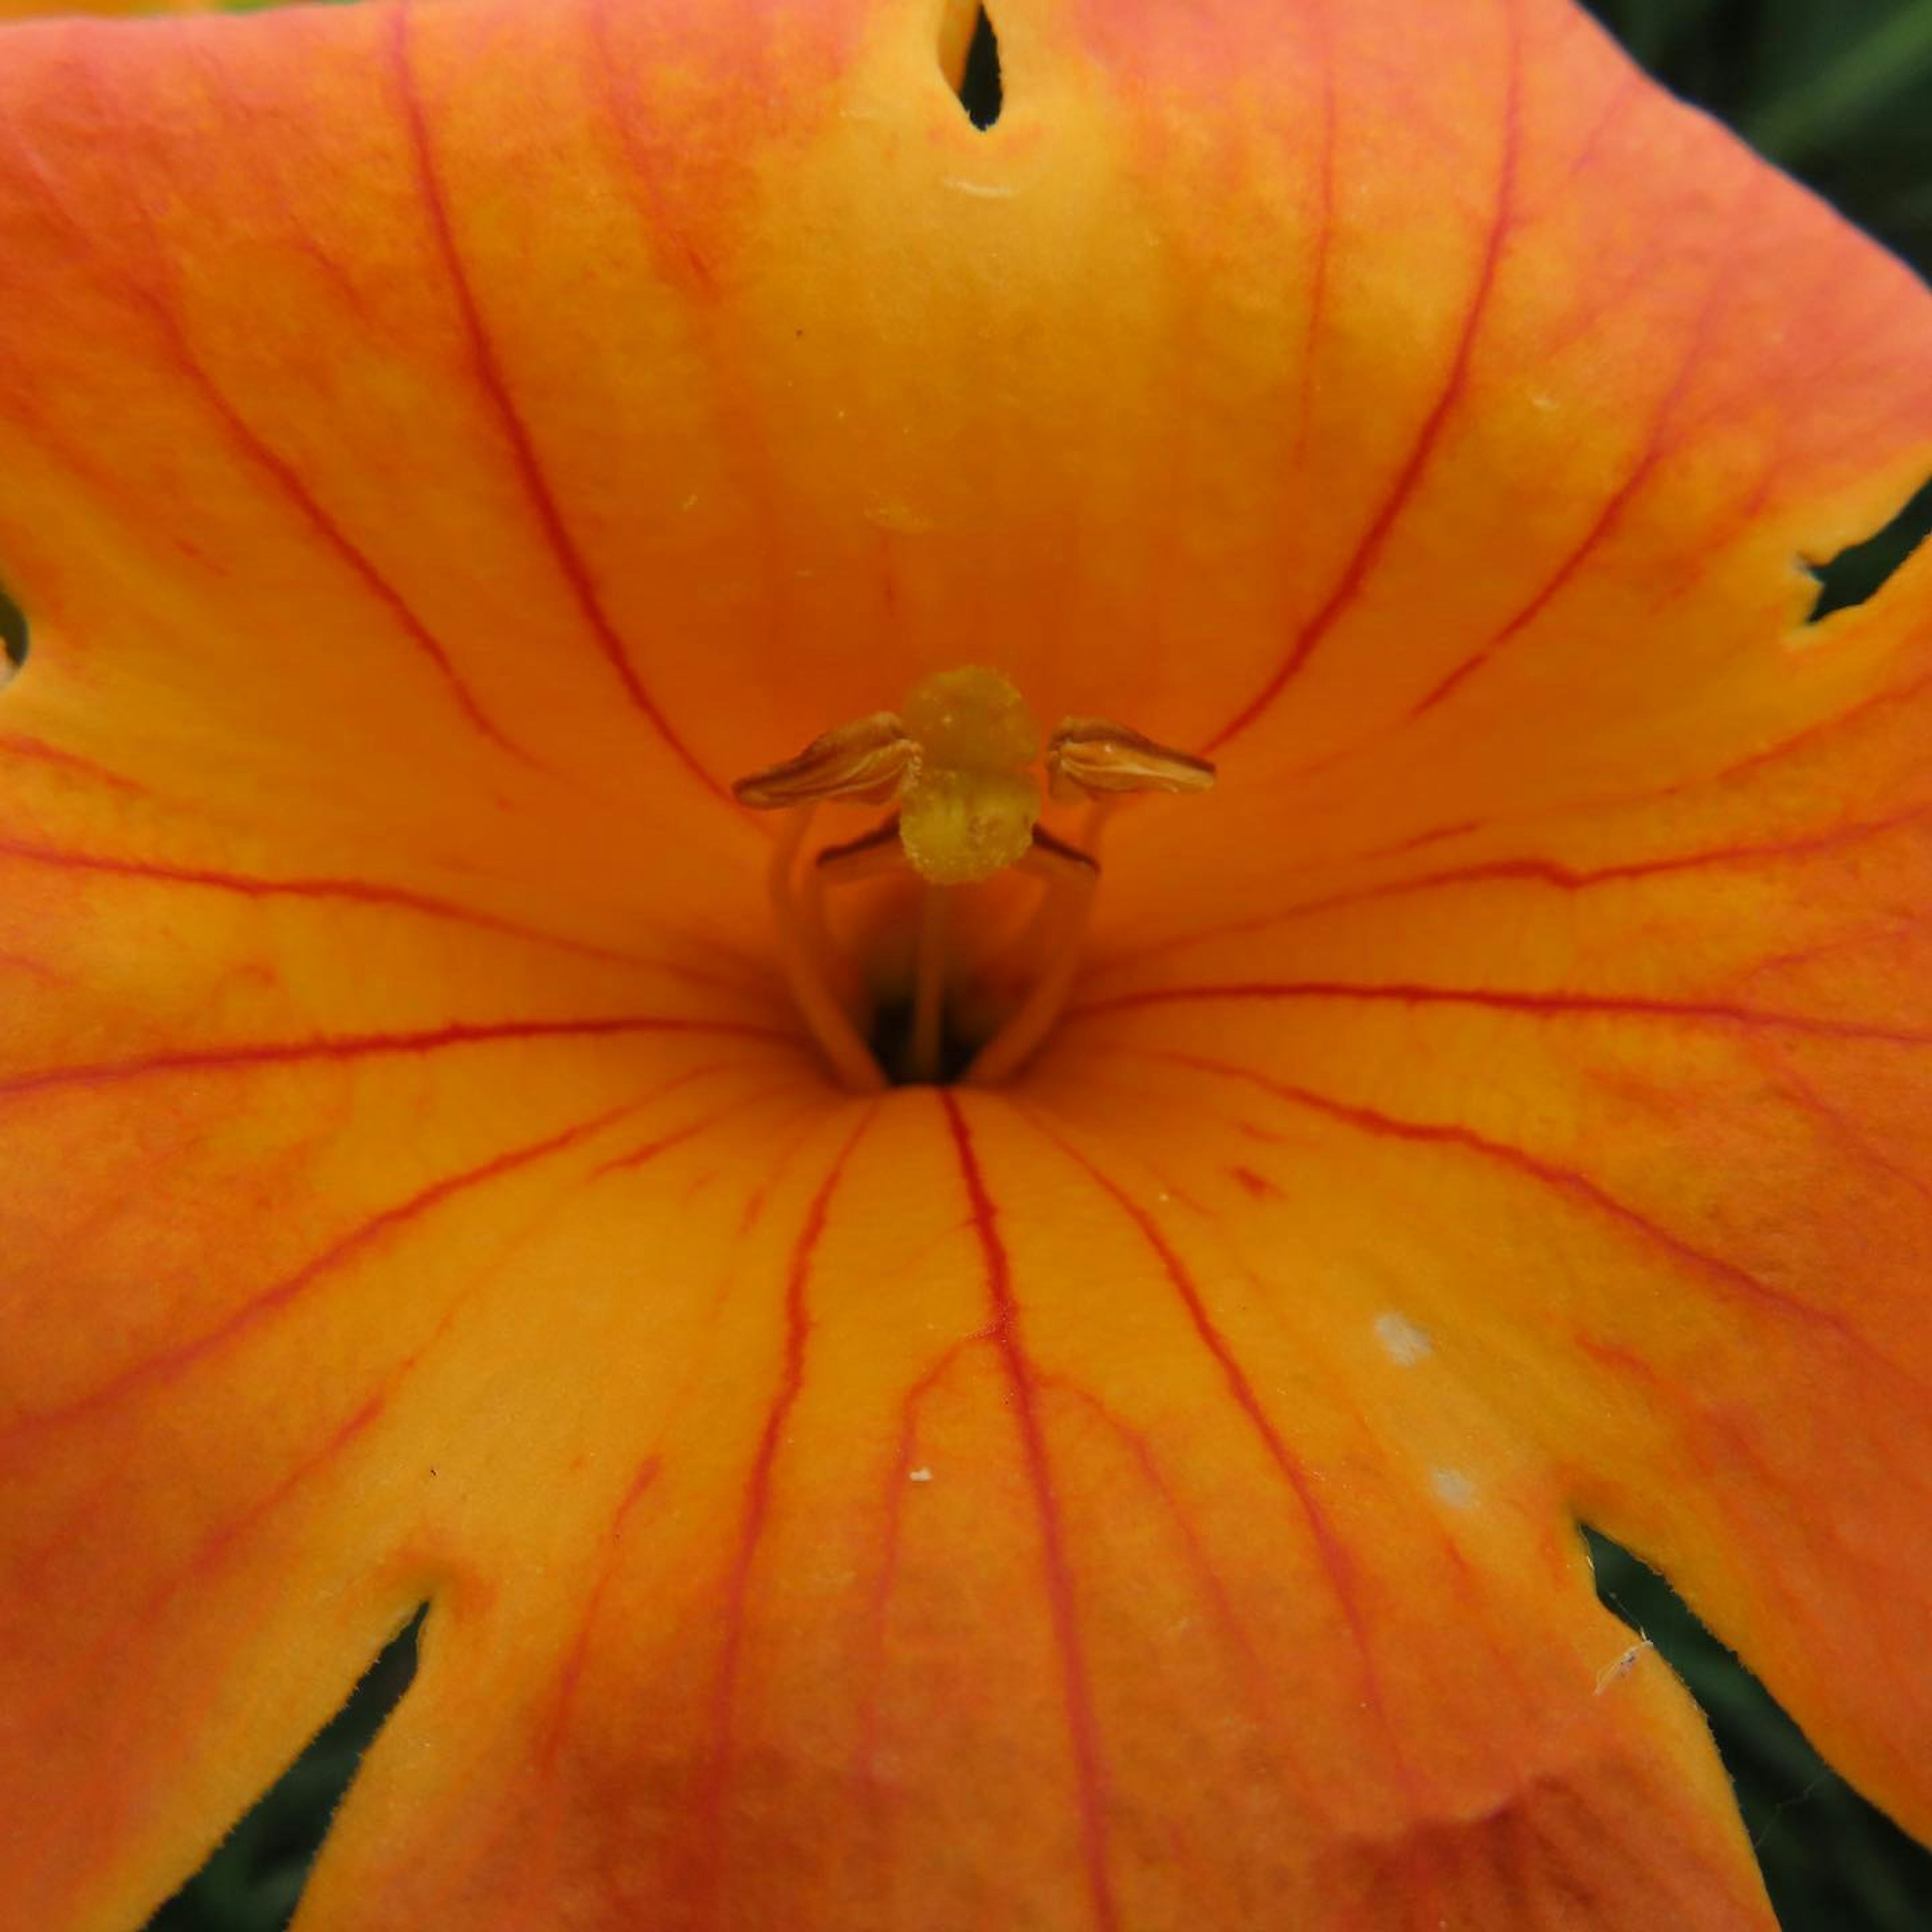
<point>446,446</point>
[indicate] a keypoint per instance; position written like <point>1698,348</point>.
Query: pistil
<point>929,998</point>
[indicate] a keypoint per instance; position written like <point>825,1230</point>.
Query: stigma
<point>956,763</point>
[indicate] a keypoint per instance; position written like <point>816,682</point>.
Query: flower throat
<point>956,767</point>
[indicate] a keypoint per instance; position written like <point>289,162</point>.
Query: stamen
<point>862,760</point>
<point>815,934</point>
<point>1089,756</point>
<point>1036,937</point>
<point>874,855</point>
<point>1070,877</point>
<point>959,766</point>
<point>837,1039</point>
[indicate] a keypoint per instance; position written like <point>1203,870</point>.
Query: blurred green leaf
<point>1889,60</point>
<point>1839,90</point>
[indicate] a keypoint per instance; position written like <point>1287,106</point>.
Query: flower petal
<point>271,1140</point>
<point>589,337</point>
<point>942,1608</point>
<point>1647,1087</point>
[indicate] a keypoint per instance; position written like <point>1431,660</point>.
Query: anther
<point>957,765</point>
<point>1088,758</point>
<point>864,761</point>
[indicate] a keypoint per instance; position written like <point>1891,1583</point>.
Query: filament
<point>852,1060</point>
<point>1064,913</point>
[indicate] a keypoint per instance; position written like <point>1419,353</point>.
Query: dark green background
<point>1841,92</point>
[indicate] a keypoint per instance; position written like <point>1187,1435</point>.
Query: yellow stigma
<point>968,804</point>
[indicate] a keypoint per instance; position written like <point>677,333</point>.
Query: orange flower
<point>444,447</point>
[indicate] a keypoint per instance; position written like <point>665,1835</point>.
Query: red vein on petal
<point>470,1292</point>
<point>38,969</point>
<point>356,891</point>
<point>98,1659</point>
<point>1797,743</point>
<point>570,1676</point>
<point>1702,1426</point>
<point>383,1397</point>
<point>1552,872</point>
<point>1879,935</point>
<point>1534,1004</point>
<point>1322,272</point>
<point>772,1162</point>
<point>506,1812</point>
<point>18,745</point>
<point>1627,89</point>
<point>1655,449</point>
<point>1436,835</point>
<point>878,1608</point>
<point>490,379</point>
<point>210,1552</point>
<point>265,173</point>
<point>1260,1685</point>
<point>370,1233</point>
<point>1076,1693</point>
<point>1139,1101</point>
<point>643,1155</point>
<point>1570,1183</point>
<point>1412,1845</point>
<point>355,1046</point>
<point>1332,1553</point>
<point>1843,1126</point>
<point>1776,1493</point>
<point>335,539</point>
<point>754,1515</point>
<point>1368,552</point>
<point>655,207</point>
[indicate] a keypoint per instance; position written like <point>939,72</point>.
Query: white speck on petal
<point>986,190</point>
<point>900,519</point>
<point>1453,1487</point>
<point>919,1475</point>
<point>1405,1343</point>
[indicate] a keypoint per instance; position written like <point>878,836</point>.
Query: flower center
<point>956,766</point>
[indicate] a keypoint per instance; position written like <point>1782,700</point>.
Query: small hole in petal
<point>980,88</point>
<point>255,1875</point>
<point>12,635</point>
<point>1805,1821</point>
<point>1860,573</point>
